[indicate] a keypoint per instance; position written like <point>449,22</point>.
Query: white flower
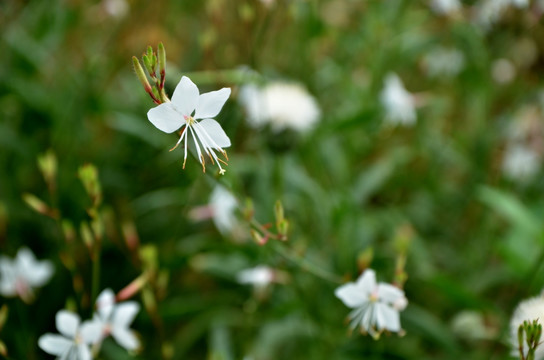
<point>223,204</point>
<point>178,113</point>
<point>444,7</point>
<point>282,105</point>
<point>520,163</point>
<point>376,305</point>
<point>74,342</point>
<point>444,62</point>
<point>259,276</point>
<point>530,309</point>
<point>115,319</point>
<point>399,104</point>
<point>116,8</point>
<point>18,277</point>
<point>490,11</point>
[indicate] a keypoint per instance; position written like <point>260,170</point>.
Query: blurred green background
<point>353,182</point>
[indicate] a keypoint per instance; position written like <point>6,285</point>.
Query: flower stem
<point>306,264</point>
<point>95,285</point>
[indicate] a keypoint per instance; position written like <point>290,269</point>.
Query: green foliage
<point>324,205</point>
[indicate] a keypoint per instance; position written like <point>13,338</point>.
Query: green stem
<point>96,270</point>
<point>306,264</point>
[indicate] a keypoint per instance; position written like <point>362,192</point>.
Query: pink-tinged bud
<point>131,235</point>
<point>131,289</point>
<point>38,205</point>
<point>68,231</point>
<point>258,238</point>
<point>162,61</point>
<point>141,74</point>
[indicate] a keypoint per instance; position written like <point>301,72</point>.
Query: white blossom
<point>490,11</point>
<point>259,276</point>
<point>520,163</point>
<point>186,107</point>
<point>115,319</point>
<point>445,7</point>
<point>73,343</point>
<point>399,104</point>
<point>444,62</point>
<point>18,277</point>
<point>376,306</point>
<point>530,309</point>
<point>281,105</point>
<point>223,204</point>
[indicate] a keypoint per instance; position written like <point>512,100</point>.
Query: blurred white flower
<point>520,163</point>
<point>282,105</point>
<point>116,8</point>
<point>530,309</point>
<point>376,305</point>
<point>490,11</point>
<point>399,104</point>
<point>115,319</point>
<point>445,7</point>
<point>223,204</point>
<point>73,343</point>
<point>172,115</point>
<point>444,62</point>
<point>18,277</point>
<point>259,276</point>
<point>503,71</point>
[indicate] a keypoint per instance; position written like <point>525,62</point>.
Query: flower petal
<point>367,282</point>
<point>7,277</point>
<point>105,303</point>
<point>388,318</point>
<point>125,338</point>
<point>125,313</point>
<point>388,293</point>
<point>351,295</point>
<point>36,273</point>
<point>54,344</point>
<point>185,97</point>
<point>215,132</point>
<point>210,104</point>
<point>91,331</point>
<point>67,323</point>
<point>165,118</point>
<point>83,352</point>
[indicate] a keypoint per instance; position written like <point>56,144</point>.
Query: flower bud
<point>88,174</point>
<point>140,74</point>
<point>148,63</point>
<point>3,315</point>
<point>86,235</point>
<point>278,212</point>
<point>162,60</point>
<point>47,163</point>
<point>257,237</point>
<point>39,206</point>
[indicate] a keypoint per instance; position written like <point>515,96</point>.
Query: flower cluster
<point>75,337</point>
